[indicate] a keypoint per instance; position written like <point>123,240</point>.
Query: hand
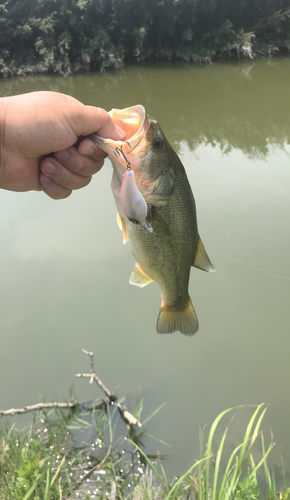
<point>49,123</point>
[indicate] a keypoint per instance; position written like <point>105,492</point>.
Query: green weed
<point>51,461</point>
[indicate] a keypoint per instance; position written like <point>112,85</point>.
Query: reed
<point>215,477</point>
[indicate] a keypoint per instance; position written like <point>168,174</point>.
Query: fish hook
<point>117,151</point>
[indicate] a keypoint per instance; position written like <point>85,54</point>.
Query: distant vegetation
<point>66,36</point>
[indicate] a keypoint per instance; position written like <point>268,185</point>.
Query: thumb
<point>97,120</point>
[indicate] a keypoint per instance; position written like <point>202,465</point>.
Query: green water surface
<point>65,272</point>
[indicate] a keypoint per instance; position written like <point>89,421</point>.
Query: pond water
<point>64,270</point>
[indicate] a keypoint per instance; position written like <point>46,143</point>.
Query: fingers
<point>88,148</point>
<point>53,190</point>
<point>72,168</point>
<point>69,170</point>
<point>97,120</point>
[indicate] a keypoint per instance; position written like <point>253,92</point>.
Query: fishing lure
<point>134,206</point>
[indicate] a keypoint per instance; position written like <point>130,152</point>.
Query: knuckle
<point>80,166</point>
<point>59,196</point>
<point>73,180</point>
<point>57,192</point>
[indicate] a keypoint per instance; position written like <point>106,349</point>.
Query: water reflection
<point>244,105</point>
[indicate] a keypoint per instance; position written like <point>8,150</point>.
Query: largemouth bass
<point>157,213</point>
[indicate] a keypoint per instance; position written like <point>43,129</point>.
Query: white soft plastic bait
<point>133,204</point>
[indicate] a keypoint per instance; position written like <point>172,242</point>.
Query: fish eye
<point>157,142</point>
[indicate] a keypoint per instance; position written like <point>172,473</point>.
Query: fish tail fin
<point>183,319</point>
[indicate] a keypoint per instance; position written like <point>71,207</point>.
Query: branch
<point>112,399</point>
<point>42,406</point>
<point>93,377</point>
<point>125,414</point>
<point>39,406</point>
<point>128,417</point>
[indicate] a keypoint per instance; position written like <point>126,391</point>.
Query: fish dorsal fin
<point>122,226</point>
<point>201,259</point>
<point>139,278</point>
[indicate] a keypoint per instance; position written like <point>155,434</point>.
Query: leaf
<point>31,490</point>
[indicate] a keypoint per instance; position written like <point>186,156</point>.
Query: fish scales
<point>177,249</point>
<point>167,243</point>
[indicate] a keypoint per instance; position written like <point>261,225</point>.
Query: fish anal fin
<point>201,259</point>
<point>173,319</point>
<point>139,278</point>
<point>122,226</point>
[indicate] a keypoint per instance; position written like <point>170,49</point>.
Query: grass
<point>71,454</point>
<point>75,454</point>
<point>213,477</point>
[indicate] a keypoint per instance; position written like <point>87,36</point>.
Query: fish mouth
<point>133,121</point>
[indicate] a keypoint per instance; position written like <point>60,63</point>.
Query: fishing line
<point>252,267</point>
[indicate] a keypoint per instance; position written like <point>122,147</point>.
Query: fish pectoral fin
<point>158,223</point>
<point>201,259</point>
<point>139,278</point>
<point>122,226</point>
<point>182,319</point>
<point>164,186</point>
<point>119,221</point>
